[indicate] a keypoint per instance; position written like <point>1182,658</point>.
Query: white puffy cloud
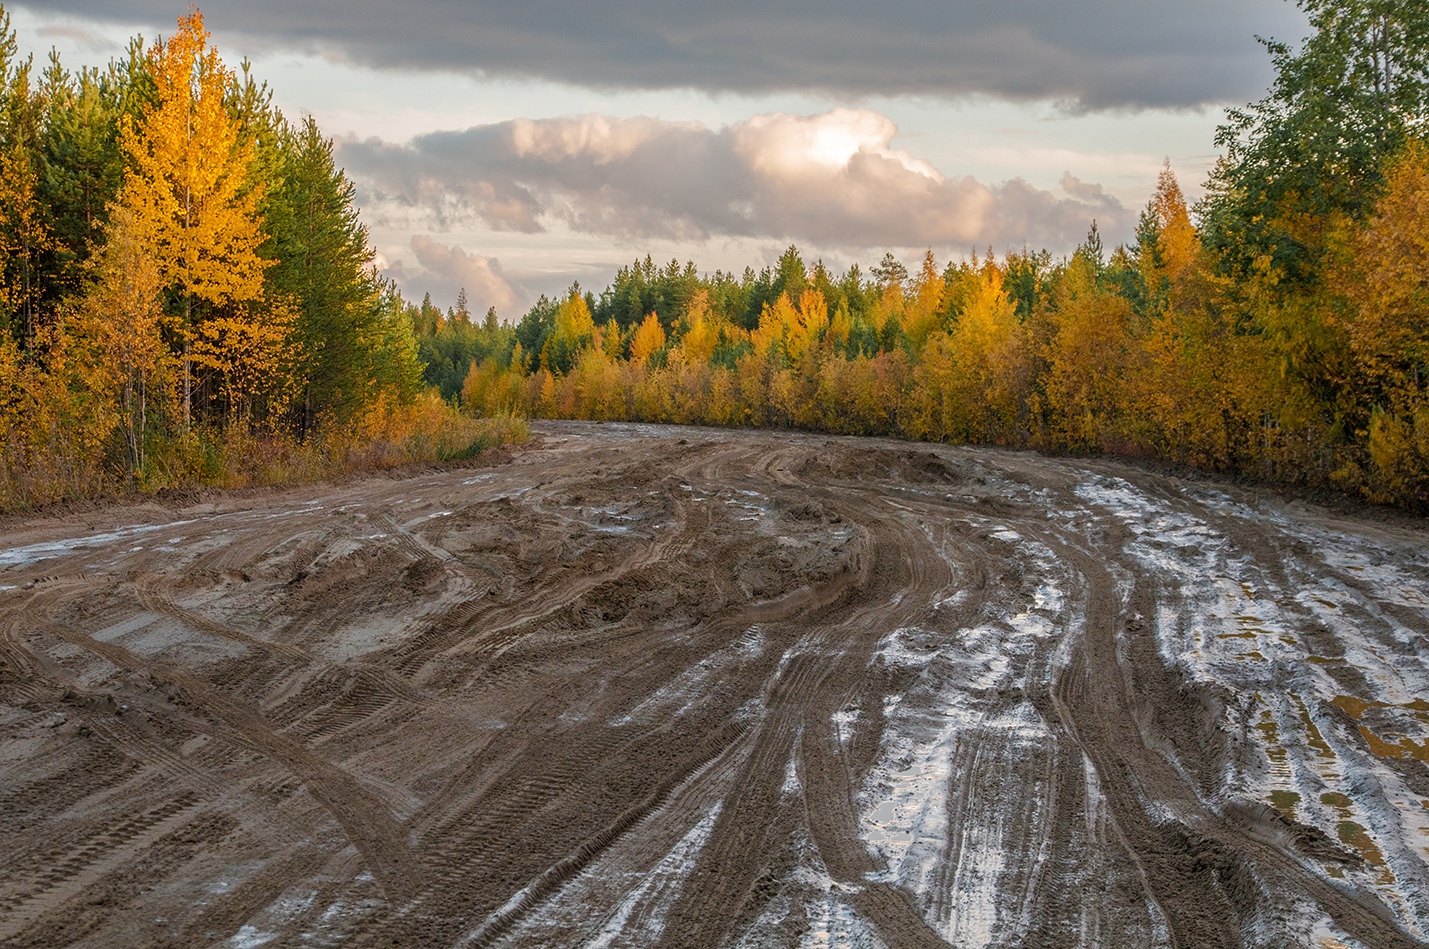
<point>833,179</point>
<point>445,269</point>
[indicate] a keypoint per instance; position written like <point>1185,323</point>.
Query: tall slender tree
<point>188,189</point>
<point>24,236</point>
<point>322,261</point>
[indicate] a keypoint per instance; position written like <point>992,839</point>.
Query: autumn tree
<point>648,340</point>
<point>969,380</point>
<point>1386,321</point>
<point>122,315</point>
<point>923,311</point>
<point>1087,360</point>
<point>187,190</point>
<point>572,330</point>
<point>1316,146</point>
<point>24,235</point>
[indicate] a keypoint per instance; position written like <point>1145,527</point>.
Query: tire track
<point>155,599</point>
<point>1104,720</point>
<point>363,818</point>
<point>61,873</point>
<point>865,690</point>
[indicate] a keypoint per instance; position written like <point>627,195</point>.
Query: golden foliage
<point>187,191</point>
<point>648,340</point>
<point>1087,361</point>
<point>1386,321</point>
<point>253,352</point>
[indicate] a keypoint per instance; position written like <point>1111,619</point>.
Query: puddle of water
<point>1357,707</point>
<point>1317,740</point>
<point>1274,750</point>
<point>1405,748</point>
<point>48,550</point>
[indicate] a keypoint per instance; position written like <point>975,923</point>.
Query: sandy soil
<point>639,686</point>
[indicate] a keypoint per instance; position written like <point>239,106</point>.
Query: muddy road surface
<point>640,686</point>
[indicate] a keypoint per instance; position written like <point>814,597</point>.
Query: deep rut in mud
<point>644,686</point>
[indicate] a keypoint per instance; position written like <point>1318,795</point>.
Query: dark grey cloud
<point>832,179</point>
<point>1094,54</point>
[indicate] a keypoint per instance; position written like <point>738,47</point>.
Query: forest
<point>187,295</point>
<point>1279,330</point>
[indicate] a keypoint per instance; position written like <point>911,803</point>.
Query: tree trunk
<point>188,376</point>
<point>143,415</point>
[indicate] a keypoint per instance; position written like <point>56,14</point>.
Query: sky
<point>513,148</point>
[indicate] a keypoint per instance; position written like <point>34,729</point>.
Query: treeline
<point>186,292</point>
<point>1281,333</point>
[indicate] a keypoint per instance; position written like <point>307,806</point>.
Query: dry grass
<point>386,436</point>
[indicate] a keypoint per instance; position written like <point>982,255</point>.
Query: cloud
<point>833,179</point>
<point>444,269</point>
<point>1095,54</point>
<point>80,36</point>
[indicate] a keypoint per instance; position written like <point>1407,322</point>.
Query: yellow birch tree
<point>122,316</point>
<point>187,189</point>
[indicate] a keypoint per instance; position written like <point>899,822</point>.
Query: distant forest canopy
<point>186,292</point>
<point>1279,332</point>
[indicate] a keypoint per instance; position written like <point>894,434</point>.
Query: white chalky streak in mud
<point>832,922</point>
<point>249,937</point>
<point>48,550</point>
<point>661,885</point>
<point>904,813</point>
<point>687,688</point>
<point>1239,633</point>
<point>791,786</point>
<point>844,720</point>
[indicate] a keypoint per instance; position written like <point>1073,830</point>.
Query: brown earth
<point>641,686</point>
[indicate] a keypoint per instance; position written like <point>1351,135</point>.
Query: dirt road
<point>639,686</point>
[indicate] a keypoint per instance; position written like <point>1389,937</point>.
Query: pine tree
<point>322,260</point>
<point>82,168</point>
<point>24,236</point>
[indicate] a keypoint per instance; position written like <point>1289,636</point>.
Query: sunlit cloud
<point>444,269</point>
<point>834,179</point>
